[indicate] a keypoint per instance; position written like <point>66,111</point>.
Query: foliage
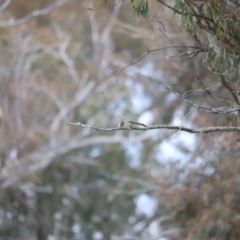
<point>206,203</point>
<point>217,20</point>
<point>141,7</point>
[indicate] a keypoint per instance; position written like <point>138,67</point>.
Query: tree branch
<point>169,127</point>
<point>196,51</point>
<point>174,9</point>
<point>35,13</point>
<point>42,157</point>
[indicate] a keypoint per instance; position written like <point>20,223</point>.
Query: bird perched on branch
<point>121,123</point>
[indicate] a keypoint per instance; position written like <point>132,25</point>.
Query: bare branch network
<point>226,91</point>
<point>169,127</point>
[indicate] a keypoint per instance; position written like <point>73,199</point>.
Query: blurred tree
<point>57,60</point>
<point>58,181</point>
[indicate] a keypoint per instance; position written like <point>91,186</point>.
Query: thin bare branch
<point>137,123</point>
<point>169,127</point>
<point>227,83</point>
<point>154,50</point>
<point>168,6</point>
<point>192,53</point>
<point>220,110</point>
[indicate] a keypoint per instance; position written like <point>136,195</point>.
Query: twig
<point>192,53</point>
<point>174,9</point>
<point>150,51</point>
<point>227,83</point>
<point>169,127</point>
<point>137,123</point>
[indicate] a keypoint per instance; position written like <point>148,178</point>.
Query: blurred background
<point>58,60</point>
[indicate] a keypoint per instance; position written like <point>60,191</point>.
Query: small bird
<point>121,123</point>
